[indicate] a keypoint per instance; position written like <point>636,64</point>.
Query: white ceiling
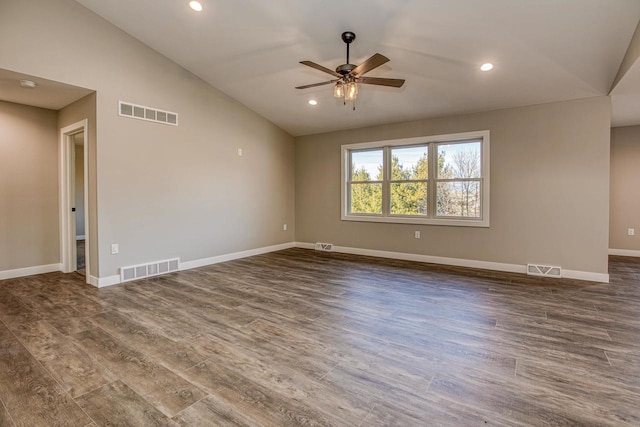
<point>543,51</point>
<point>47,94</point>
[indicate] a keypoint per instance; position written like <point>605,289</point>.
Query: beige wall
<point>549,188</point>
<point>29,232</point>
<point>85,108</point>
<point>625,188</point>
<point>162,191</point>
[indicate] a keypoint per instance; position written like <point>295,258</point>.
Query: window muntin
<point>441,180</point>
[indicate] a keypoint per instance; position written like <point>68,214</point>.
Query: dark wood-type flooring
<point>305,338</point>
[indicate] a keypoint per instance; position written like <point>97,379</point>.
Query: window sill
<point>451,222</point>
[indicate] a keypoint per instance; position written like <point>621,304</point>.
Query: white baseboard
<point>235,255</point>
<point>458,262</point>
<point>80,237</point>
<point>29,271</point>
<point>585,275</point>
<point>624,252</point>
<point>188,265</point>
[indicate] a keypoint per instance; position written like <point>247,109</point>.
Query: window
<point>442,180</point>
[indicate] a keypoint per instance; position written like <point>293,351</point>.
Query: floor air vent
<point>543,270</point>
<point>126,109</point>
<point>327,247</point>
<point>156,268</point>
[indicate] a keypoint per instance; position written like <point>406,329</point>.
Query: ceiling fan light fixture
<point>351,91</point>
<point>338,90</point>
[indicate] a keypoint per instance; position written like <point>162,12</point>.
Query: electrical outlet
<point>631,231</point>
<point>416,234</point>
<point>239,151</point>
<point>284,227</point>
<point>115,249</point>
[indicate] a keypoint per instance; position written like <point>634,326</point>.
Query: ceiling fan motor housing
<point>345,69</point>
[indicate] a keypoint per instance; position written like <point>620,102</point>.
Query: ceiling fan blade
<point>320,67</point>
<point>316,84</point>
<point>380,81</point>
<point>374,62</point>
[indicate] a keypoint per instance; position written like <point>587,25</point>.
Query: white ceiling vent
<point>544,270</point>
<point>126,109</point>
<point>155,268</point>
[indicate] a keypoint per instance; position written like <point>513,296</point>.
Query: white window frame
<point>432,141</point>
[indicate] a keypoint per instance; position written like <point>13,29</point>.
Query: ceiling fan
<point>349,75</point>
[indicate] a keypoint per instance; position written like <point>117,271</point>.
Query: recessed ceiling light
<point>312,102</point>
<point>28,84</point>
<point>195,5</point>
<point>487,66</point>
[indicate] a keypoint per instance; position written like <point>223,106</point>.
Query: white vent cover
<point>126,109</point>
<point>544,270</point>
<point>327,247</point>
<point>155,268</point>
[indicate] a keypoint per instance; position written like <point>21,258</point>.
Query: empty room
<point>295,213</point>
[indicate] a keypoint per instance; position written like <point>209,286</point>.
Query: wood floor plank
<point>172,354</point>
<point>259,404</point>
<point>30,395</point>
<point>72,368</point>
<point>301,337</point>
<point>116,404</point>
<point>169,392</point>
<point>5,418</point>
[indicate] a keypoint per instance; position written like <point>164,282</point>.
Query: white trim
<point>459,262</point>
<point>67,246</point>
<point>235,255</point>
<point>108,281</point>
<point>484,135</point>
<point>115,280</point>
<point>585,275</point>
<point>80,237</point>
<point>29,271</point>
<point>624,252</point>
<point>93,281</point>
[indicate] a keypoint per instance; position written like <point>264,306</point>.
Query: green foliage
<point>365,197</point>
<point>408,198</point>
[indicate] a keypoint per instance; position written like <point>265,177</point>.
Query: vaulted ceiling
<point>543,51</point>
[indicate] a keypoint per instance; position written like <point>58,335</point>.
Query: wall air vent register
<point>140,112</point>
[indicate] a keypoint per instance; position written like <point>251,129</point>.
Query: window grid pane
<point>365,198</point>
<point>408,198</point>
<point>459,199</point>
<point>461,160</point>
<point>366,165</point>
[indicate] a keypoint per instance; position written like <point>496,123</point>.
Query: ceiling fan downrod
<point>348,37</point>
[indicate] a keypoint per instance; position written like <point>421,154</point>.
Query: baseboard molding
<point>29,271</point>
<point>81,237</point>
<point>585,275</point>
<point>624,252</point>
<point>235,255</point>
<point>188,265</point>
<point>459,262</point>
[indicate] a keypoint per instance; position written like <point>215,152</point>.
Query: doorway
<point>74,199</point>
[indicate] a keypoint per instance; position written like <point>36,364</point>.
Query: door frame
<point>68,259</point>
